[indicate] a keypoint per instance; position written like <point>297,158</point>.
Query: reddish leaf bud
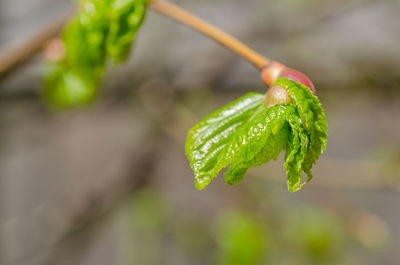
<point>298,77</point>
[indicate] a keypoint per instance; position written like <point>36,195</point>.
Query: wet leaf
<point>245,133</point>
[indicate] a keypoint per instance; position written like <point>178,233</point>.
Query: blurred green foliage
<point>102,30</point>
<point>161,233</point>
<point>316,235</point>
<point>241,239</point>
<point>145,219</point>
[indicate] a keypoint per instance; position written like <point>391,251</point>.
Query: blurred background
<point>110,184</point>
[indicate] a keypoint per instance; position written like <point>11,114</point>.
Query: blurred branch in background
<point>98,204</point>
<point>83,197</point>
<point>15,54</point>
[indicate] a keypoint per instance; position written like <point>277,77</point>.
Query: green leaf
<point>312,119</point>
<point>207,141</point>
<point>68,88</point>
<point>257,141</point>
<point>101,30</point>
<point>295,152</point>
<point>245,133</point>
<point>126,17</point>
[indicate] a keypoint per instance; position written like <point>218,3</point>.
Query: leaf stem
<point>210,31</point>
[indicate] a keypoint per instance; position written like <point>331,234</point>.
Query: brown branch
<point>210,31</point>
<point>14,54</point>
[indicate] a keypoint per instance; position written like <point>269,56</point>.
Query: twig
<point>210,31</point>
<point>15,54</point>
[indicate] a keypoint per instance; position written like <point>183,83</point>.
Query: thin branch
<point>210,31</point>
<point>15,54</point>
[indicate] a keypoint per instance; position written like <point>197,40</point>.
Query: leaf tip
<point>201,182</point>
<point>297,187</point>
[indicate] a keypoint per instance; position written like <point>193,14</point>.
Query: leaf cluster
<point>245,133</point>
<point>102,30</point>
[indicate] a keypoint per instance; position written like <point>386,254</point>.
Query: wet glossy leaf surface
<point>245,134</point>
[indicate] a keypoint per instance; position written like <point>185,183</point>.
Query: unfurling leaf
<point>126,16</point>
<point>102,30</point>
<point>245,133</point>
